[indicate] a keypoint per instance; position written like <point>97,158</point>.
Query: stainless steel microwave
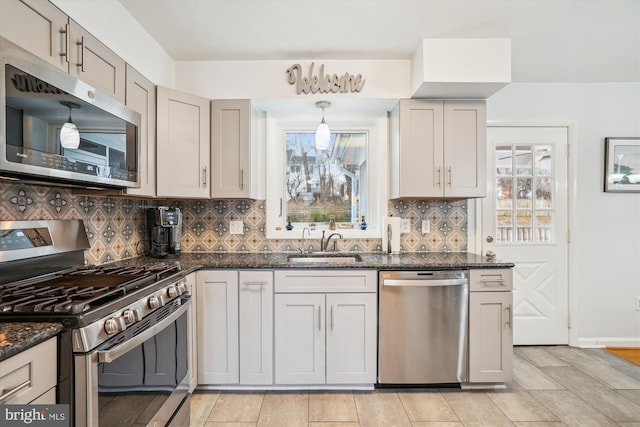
<point>56,128</point>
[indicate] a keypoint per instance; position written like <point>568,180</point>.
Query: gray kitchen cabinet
<point>141,96</point>
<point>237,157</point>
<point>182,151</point>
<point>438,149</point>
<point>43,29</point>
<point>37,26</point>
<point>30,376</point>
<point>324,334</point>
<point>490,325</point>
<point>235,327</point>
<point>193,332</point>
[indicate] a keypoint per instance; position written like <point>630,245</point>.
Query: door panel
<point>525,221</point>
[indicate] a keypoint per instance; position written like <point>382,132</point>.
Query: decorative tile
<point>117,227</point>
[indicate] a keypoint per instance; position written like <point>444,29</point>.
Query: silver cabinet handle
<point>438,176</point>
<point>450,174</point>
<point>204,176</point>
<point>67,42</point>
<point>499,281</point>
<point>12,391</point>
<point>510,316</point>
<point>254,283</point>
<point>332,317</point>
<point>242,178</point>
<point>319,318</point>
<point>81,44</point>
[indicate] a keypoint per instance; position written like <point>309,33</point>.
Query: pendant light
<point>323,134</point>
<point>69,134</point>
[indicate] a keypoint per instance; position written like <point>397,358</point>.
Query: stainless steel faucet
<point>301,248</point>
<point>325,244</point>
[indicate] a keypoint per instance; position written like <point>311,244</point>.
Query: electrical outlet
<point>426,226</point>
<point>638,303</point>
<point>405,226</point>
<point>236,227</point>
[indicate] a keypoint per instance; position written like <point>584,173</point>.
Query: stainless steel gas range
<point>123,354</point>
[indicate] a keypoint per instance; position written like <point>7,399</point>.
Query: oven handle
<point>108,356</point>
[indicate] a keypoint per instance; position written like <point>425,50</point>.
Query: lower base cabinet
<point>325,338</point>
<point>235,327</point>
<point>490,326</point>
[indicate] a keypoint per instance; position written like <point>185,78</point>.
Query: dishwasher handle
<point>424,282</point>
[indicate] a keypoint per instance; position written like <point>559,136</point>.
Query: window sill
<point>348,233</point>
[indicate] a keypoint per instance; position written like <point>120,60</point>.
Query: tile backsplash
<point>117,226</point>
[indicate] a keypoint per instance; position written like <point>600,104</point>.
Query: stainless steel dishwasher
<point>423,324</point>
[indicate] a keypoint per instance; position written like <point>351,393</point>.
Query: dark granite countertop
<point>16,337</point>
<point>263,260</point>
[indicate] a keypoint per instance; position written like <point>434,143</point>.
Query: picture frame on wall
<point>622,165</point>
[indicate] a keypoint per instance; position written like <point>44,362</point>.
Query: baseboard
<point>608,342</point>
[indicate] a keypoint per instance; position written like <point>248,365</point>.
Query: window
<point>525,193</point>
<point>309,186</point>
<point>325,184</point>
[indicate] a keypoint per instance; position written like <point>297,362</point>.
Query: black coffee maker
<point>165,231</point>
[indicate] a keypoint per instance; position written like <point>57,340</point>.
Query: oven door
<point>142,380</point>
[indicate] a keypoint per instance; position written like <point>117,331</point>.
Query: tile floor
<point>552,386</point>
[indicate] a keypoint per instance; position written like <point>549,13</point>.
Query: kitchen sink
<point>323,258</point>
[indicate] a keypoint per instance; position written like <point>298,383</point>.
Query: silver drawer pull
<point>254,283</point>
<point>499,282</point>
<point>9,392</point>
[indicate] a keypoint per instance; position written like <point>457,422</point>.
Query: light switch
<point>405,226</point>
<point>426,226</point>
<point>236,227</point>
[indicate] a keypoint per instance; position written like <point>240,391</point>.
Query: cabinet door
<point>299,339</point>
<point>141,96</point>
<point>230,148</point>
<point>490,336</point>
<point>465,148</point>
<point>96,64</point>
<point>256,327</point>
<point>217,314</point>
<point>193,332</point>
<point>37,26</point>
<point>182,145</point>
<point>416,152</point>
<point>351,338</point>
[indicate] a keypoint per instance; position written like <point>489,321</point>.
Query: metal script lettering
<point>26,83</point>
<point>323,83</point>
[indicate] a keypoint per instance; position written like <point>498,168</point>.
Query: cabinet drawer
<point>299,281</point>
<point>486,280</point>
<point>29,374</point>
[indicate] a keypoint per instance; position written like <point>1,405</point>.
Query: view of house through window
<point>321,185</point>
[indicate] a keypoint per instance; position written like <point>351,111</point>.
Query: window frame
<point>374,124</point>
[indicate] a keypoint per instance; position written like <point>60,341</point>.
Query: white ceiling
<point>551,40</point>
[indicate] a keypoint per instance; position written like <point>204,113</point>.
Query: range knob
<point>131,315</point>
<point>114,325</point>
<point>182,288</point>
<point>172,291</point>
<point>156,301</point>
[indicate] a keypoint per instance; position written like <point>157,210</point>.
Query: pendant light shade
<point>69,134</point>
<point>323,134</point>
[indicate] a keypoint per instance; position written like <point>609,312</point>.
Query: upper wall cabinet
<point>237,156</point>
<point>141,96</point>
<point>182,145</point>
<point>438,149</point>
<point>41,28</point>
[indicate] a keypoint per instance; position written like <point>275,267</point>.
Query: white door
<point>525,220</point>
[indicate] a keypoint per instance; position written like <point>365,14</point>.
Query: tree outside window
<point>321,184</point>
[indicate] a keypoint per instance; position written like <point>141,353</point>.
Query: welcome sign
<point>321,82</point>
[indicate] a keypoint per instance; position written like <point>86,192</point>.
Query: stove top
<point>79,291</point>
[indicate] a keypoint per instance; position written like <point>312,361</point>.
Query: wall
<point>605,243</point>
<point>117,226</point>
